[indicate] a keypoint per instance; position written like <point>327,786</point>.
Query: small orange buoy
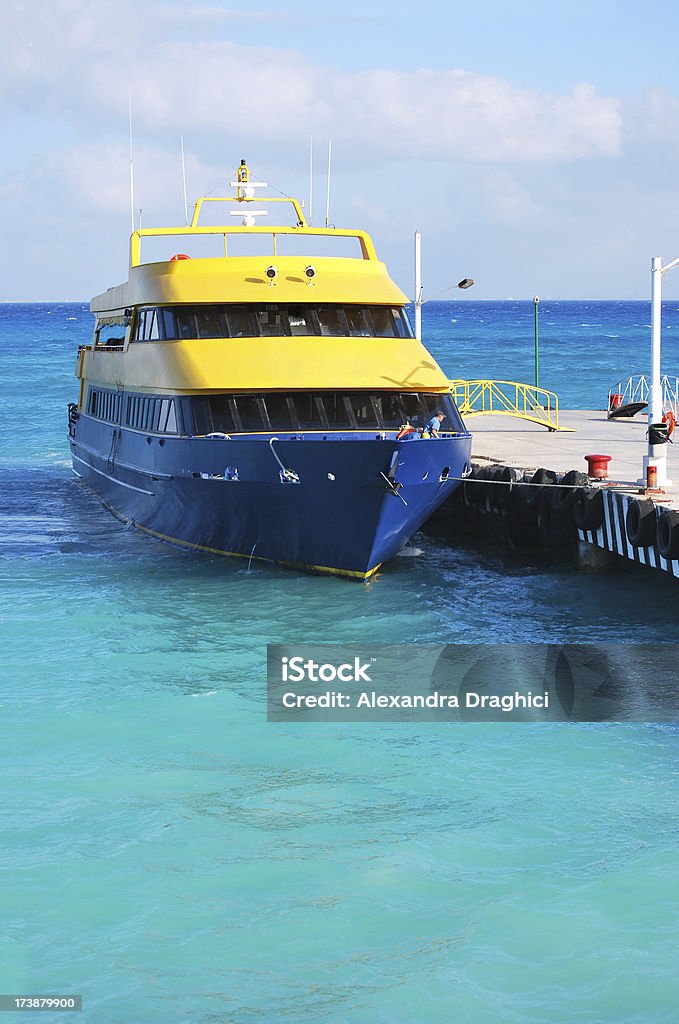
<point>179,256</point>
<point>671,420</point>
<point>405,431</point>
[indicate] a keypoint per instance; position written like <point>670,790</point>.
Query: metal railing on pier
<point>637,388</point>
<point>507,398</point>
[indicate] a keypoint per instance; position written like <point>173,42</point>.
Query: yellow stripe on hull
<point>350,573</point>
<point>258,558</point>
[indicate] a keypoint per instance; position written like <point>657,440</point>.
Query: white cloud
<point>99,177</point>
<point>454,115</point>
<point>507,200</point>
<point>463,116</point>
<point>89,53</point>
<point>192,13</point>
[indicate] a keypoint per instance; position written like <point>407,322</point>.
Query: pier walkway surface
<point>514,442</point>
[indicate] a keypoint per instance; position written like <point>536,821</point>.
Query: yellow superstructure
<point>281,363</point>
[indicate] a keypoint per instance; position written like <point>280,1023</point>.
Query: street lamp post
<point>657,453</point>
<point>418,301</point>
<point>536,306</point>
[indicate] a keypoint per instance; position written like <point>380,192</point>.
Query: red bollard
<point>597,466</point>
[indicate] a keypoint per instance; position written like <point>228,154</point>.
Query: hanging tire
<point>640,523</point>
<point>554,523</point>
<point>492,489</point>
<point>667,534</point>
<point>588,508</point>
<point>521,518</point>
<point>469,488</point>
<point>564,494</point>
<point>483,489</point>
<point>498,491</point>
<point>543,476</point>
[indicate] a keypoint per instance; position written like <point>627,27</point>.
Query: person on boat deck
<point>435,423</point>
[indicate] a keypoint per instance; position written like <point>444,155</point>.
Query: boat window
<point>167,325</point>
<point>209,323</point>
<point>363,410</point>
<point>357,319</point>
<point>337,411</point>
<point>140,325</point>
<point>383,321</point>
<point>249,412</point>
<point>270,320</point>
<point>241,322</point>
<point>141,412</point>
<point>279,413</point>
<point>152,325</point>
<point>104,405</point>
<point>307,411</point>
<point>412,409</point>
<point>332,320</point>
<point>300,320</point>
<point>167,420</point>
<point>110,336</point>
<point>325,410</point>
<point>185,325</point>
<point>218,413</point>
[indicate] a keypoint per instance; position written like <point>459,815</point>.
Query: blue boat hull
<point>348,504</point>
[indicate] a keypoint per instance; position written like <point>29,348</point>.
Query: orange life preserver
<point>405,431</point>
<point>671,420</point>
<point>179,256</point>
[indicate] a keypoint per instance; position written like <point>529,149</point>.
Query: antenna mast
<point>311,179</point>
<point>129,103</point>
<point>186,205</point>
<point>327,202</point>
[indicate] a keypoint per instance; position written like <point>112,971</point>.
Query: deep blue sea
<point>173,857</point>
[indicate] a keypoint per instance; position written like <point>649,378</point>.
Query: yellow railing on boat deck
<point>507,398</point>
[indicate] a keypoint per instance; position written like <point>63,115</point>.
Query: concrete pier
<point>561,507</point>
<point>516,442</point>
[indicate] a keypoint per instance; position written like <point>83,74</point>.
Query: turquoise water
<point>174,858</point>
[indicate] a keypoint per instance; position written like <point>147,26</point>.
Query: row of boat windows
<point>319,411</point>
<point>270,320</point>
<point>141,412</point>
<point>301,410</point>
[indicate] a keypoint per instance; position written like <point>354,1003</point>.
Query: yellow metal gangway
<point>507,398</point>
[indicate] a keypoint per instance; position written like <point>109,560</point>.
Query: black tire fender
<point>667,533</point>
<point>588,508</point>
<point>640,523</point>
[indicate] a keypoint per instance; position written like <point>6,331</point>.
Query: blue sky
<point>533,144</point>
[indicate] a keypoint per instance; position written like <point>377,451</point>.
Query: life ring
<point>179,256</point>
<point>405,431</point>
<point>671,420</point>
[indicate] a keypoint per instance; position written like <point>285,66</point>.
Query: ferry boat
<point>266,400</point>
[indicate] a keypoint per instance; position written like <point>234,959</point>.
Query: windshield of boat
<point>252,320</point>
